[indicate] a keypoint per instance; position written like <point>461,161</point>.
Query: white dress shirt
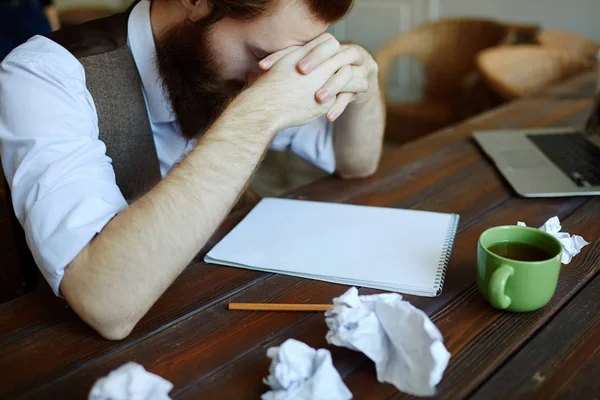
<point>62,182</point>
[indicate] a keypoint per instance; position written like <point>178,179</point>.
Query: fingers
<point>350,55</point>
<point>339,105</point>
<point>318,55</point>
<point>335,84</point>
<point>348,79</point>
<point>267,62</point>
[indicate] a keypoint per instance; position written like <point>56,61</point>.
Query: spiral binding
<point>440,276</point>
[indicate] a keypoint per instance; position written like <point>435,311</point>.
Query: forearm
<point>359,135</point>
<point>125,269</point>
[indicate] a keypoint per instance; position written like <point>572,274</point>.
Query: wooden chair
<point>569,41</point>
<point>447,50</point>
<point>517,71</point>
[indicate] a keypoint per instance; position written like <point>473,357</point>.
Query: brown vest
<point>112,79</point>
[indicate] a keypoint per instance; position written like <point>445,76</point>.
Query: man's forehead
<point>274,46</point>
<point>292,24</point>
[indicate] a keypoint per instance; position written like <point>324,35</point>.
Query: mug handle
<point>498,297</point>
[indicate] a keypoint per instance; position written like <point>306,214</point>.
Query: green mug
<point>518,267</point>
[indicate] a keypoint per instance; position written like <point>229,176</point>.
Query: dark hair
<point>326,10</point>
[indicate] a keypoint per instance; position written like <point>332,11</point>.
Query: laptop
<point>550,162</point>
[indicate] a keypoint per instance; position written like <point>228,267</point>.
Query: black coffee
<point>520,251</point>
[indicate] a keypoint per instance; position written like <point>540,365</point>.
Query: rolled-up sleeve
<point>62,182</point>
<point>313,142</point>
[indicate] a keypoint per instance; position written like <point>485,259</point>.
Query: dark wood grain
<point>67,343</point>
<point>562,361</point>
<point>480,338</point>
<point>461,277</point>
<point>29,314</point>
<point>479,341</point>
<point>164,345</point>
<point>206,281</point>
<point>487,338</point>
<point>209,352</point>
<point>437,200</point>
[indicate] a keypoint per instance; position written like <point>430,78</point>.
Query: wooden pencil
<point>278,307</point>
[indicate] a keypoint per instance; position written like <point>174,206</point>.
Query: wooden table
<point>208,352</point>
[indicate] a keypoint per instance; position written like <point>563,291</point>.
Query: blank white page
<point>385,248</point>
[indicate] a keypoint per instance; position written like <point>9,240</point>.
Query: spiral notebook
<point>399,250</point>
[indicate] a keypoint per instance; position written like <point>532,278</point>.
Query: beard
<point>190,77</point>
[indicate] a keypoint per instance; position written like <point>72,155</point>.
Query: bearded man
<point>126,141</point>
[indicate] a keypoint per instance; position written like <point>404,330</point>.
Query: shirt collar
<point>141,44</point>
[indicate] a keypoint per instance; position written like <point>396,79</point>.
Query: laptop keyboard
<point>573,154</point>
